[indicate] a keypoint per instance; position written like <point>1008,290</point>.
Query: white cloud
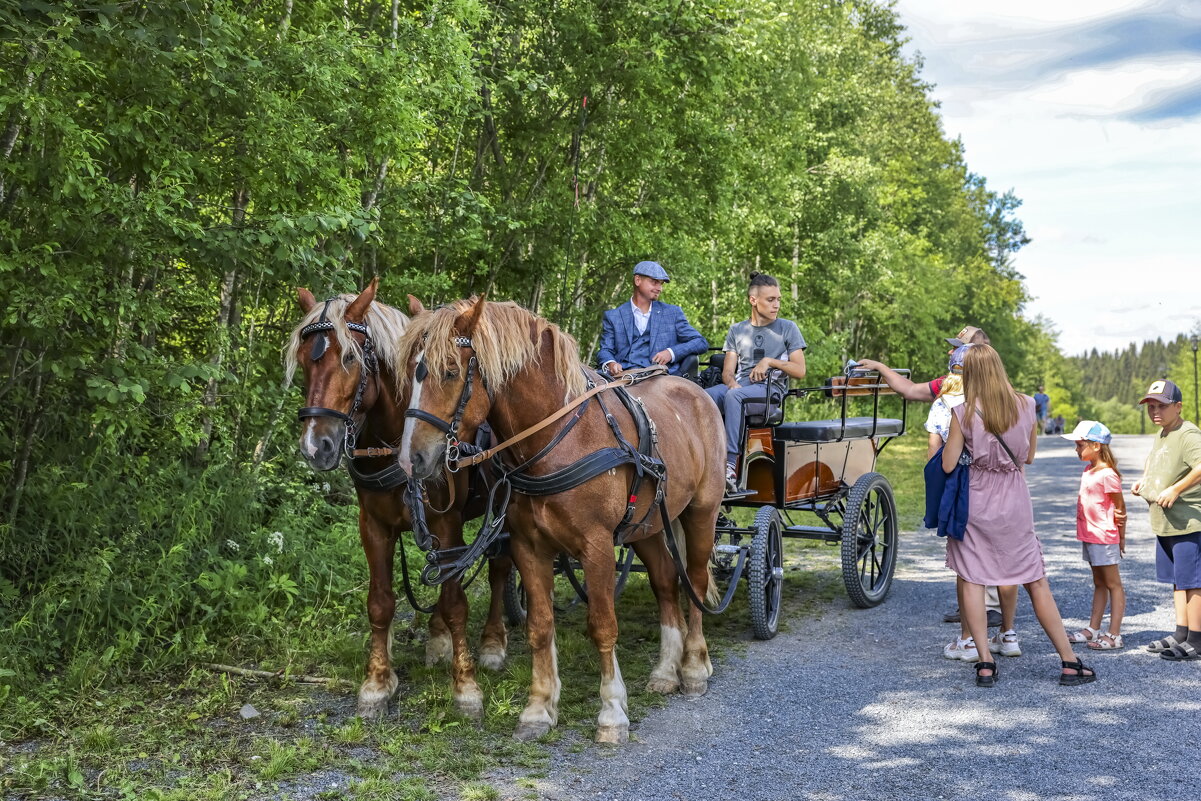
<point>1110,203</point>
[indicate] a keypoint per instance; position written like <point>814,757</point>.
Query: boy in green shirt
<point>1171,486</point>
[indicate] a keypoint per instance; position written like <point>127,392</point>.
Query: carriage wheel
<point>869,540</point>
<point>570,587</point>
<point>765,575</point>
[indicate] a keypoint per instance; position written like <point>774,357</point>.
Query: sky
<point>1090,110</point>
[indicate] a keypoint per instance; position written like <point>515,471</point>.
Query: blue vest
<point>640,349</point>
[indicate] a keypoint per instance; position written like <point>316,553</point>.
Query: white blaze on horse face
<point>308,440</point>
<point>406,439</point>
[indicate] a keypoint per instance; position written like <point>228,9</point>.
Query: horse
<point>525,370</point>
<point>346,347</point>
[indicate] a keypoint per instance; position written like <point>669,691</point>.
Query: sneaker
<point>731,479</point>
<point>1005,643</point>
<point>961,649</point>
<point>952,616</point>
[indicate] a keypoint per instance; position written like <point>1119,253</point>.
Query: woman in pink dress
<point>999,428</point>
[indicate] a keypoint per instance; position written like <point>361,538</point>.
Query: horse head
<point>447,397</point>
<point>340,358</point>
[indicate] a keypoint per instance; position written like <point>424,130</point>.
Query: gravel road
<point>860,704</point>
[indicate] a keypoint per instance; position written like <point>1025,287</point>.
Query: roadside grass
<point>176,736</point>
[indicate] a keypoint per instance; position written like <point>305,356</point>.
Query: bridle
<point>451,428</point>
<point>369,368</point>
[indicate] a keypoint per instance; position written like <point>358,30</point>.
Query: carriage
<point>823,468</point>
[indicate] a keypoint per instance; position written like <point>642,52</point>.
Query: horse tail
<point>712,597</point>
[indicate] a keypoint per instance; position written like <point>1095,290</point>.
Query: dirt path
<point>860,704</point>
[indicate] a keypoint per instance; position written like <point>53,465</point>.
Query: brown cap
<point>964,337</point>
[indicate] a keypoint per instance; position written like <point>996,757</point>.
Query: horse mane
<point>506,340</point>
<point>386,324</point>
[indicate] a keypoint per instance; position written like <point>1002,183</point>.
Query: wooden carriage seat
<point>831,430</point>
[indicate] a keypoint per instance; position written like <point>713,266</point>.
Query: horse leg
<point>381,682</point>
<point>438,646</point>
<point>697,532</point>
<point>453,605</point>
<point>661,571</point>
<point>542,709</point>
<point>613,723</point>
<point>494,642</point>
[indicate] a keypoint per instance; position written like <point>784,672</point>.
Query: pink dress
<point>1000,547</point>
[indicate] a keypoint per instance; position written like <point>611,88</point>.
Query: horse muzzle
<point>321,443</point>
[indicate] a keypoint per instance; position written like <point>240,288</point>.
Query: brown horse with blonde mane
<point>524,370</point>
<point>346,349</point>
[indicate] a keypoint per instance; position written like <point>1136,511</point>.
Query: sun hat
<point>1090,430</point>
<point>1163,391</point>
<point>651,269</point>
<point>964,337</point>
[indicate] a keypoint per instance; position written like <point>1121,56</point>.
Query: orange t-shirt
<point>1094,508</point>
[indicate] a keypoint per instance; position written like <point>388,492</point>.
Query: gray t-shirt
<point>776,340</point>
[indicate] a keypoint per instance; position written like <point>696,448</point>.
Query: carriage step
<point>725,548</point>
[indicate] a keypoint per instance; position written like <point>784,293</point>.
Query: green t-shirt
<point>1172,457</point>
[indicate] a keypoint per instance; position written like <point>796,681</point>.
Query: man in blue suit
<point>645,331</point>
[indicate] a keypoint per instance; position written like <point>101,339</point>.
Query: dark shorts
<point>1178,560</point>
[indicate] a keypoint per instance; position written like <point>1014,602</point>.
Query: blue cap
<point>1090,430</point>
<point>955,363</point>
<point>651,269</point>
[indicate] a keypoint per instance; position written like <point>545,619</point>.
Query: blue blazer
<point>668,326</point>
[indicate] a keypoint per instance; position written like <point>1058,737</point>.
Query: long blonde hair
<point>1107,458</point>
<point>986,389</point>
<point>952,384</point>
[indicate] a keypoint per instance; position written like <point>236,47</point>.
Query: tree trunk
<point>225,314</point>
<point>29,434</point>
<point>286,21</point>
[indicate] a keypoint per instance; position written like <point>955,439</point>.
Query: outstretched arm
<point>899,383</point>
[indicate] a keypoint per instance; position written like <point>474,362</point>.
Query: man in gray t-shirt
<point>753,347</point>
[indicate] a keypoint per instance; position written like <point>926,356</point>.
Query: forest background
<point>170,172</point>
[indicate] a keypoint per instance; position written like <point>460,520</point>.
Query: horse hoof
<point>530,731</point>
<point>493,660</point>
<point>694,689</point>
<point>373,708</point>
<point>662,686</point>
<point>614,735</point>
<point>472,708</point>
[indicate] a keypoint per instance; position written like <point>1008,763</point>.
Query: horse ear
<point>357,309</point>
<point>415,306</point>
<point>472,318</point>
<point>307,301</point>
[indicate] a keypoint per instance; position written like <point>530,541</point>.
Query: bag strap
<point>1006,447</point>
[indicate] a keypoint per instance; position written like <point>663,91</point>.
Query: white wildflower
<point>233,546</point>
<point>267,560</point>
<point>276,538</point>
<point>325,487</point>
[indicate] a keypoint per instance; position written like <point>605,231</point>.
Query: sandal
<point>1166,644</point>
<point>1107,642</point>
<point>986,681</point>
<point>1181,652</point>
<point>1086,634</point>
<point>1078,676</point>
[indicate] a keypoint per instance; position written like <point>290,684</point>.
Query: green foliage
<point>171,171</point>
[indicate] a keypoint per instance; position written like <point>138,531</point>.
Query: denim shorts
<point>1178,560</point>
<point>1099,555</point>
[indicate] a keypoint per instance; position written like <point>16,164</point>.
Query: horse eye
<point>347,357</point>
<point>450,375</point>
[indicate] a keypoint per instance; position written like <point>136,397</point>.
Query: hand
<point>869,364</point>
<point>1122,542</point>
<point>614,369</point>
<point>759,371</point>
<point>662,357</point>
<point>1138,485</point>
<point>1168,497</point>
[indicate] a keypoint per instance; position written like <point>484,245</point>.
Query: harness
<point>445,564</point>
